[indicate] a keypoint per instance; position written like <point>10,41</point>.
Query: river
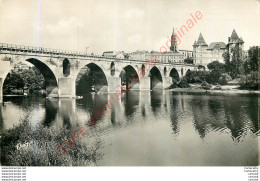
<point>155,128</point>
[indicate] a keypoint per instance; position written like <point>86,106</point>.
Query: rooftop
<point>221,45</point>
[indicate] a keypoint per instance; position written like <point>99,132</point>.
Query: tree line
<point>244,69</point>
<point>23,80</point>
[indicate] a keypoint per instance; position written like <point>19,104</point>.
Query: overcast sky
<point>127,25</point>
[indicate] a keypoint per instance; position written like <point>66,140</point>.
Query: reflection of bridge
<point>61,69</point>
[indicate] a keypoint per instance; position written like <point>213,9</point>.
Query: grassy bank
<point>23,145</point>
<point>224,89</point>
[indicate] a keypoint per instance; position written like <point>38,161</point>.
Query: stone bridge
<point>63,70</point>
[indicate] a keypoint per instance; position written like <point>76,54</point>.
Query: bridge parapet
<point>51,64</point>
<point>74,54</point>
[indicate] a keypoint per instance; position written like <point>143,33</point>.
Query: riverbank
<point>224,89</point>
<point>11,95</point>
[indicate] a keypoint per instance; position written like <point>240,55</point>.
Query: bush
<point>250,81</point>
<point>213,77</point>
<point>218,87</point>
<point>183,83</point>
<point>196,76</point>
<point>205,85</point>
<point>23,146</point>
<point>226,76</point>
<point>222,81</point>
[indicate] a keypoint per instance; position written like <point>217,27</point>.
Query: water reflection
<point>51,109</point>
<point>174,115</point>
<point>131,101</point>
<point>156,98</point>
<point>1,117</point>
<point>156,117</point>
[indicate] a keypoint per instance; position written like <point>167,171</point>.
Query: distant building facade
<point>171,56</point>
<point>187,53</point>
<point>203,54</point>
<point>115,54</point>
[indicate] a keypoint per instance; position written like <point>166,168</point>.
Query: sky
<point>129,25</point>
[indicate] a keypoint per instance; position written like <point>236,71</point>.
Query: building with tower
<point>171,55</point>
<point>203,54</point>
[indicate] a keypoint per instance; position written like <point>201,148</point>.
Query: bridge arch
<point>91,78</point>
<point>51,83</point>
<point>155,78</point>
<point>130,75</point>
<point>174,75</point>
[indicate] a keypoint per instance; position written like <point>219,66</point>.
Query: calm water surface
<point>155,128</point>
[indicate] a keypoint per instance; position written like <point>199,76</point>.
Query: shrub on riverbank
<point>205,85</point>
<point>21,146</point>
<point>196,76</point>
<point>213,77</point>
<point>250,81</point>
<point>181,84</point>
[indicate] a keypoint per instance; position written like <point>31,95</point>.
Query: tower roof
<point>241,40</point>
<point>201,40</point>
<point>195,43</point>
<point>234,36</point>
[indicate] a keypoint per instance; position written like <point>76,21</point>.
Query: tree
<point>188,60</point>
<point>216,70</point>
<point>234,62</point>
<point>226,56</point>
<point>201,67</point>
<point>250,81</point>
<point>252,63</point>
<point>19,79</point>
<point>216,66</point>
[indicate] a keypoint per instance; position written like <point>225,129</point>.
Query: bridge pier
<point>145,83</point>
<point>167,81</point>
<point>114,84</point>
<point>67,87</point>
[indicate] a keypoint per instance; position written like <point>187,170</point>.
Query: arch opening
<point>66,67</point>
<point>164,71</point>
<point>143,70</point>
<point>90,79</point>
<point>155,78</point>
<point>188,72</point>
<point>129,76</point>
<point>112,69</point>
<point>174,75</point>
<point>24,78</point>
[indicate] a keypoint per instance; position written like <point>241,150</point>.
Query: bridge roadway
<point>62,70</point>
